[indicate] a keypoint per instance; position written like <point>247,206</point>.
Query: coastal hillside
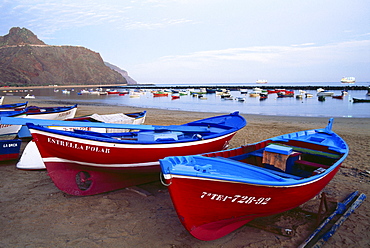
<point>25,60</point>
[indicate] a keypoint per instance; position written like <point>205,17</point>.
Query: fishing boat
<point>175,96</point>
<point>263,96</point>
<point>113,92</point>
<point>88,163</point>
<point>13,106</point>
<point>9,149</point>
<point>51,113</point>
<point>160,94</point>
<point>216,193</point>
<point>28,96</point>
<point>348,80</point>
<point>31,158</point>
<point>285,94</point>
<point>46,113</point>
<point>10,131</point>
<point>337,96</point>
<point>360,100</point>
<point>325,93</point>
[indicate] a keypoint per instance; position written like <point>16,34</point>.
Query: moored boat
<point>88,163</point>
<point>28,96</point>
<point>360,100</point>
<point>325,93</point>
<point>216,193</point>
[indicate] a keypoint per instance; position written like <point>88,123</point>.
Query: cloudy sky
<point>198,41</point>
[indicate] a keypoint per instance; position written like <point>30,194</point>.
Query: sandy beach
<point>34,213</point>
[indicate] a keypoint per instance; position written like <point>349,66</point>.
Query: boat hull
<point>216,193</point>
<point>66,157</point>
<point>9,149</point>
<point>226,205</point>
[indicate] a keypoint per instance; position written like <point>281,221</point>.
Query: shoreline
<point>37,214</point>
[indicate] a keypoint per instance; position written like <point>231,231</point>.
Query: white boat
<point>261,81</point>
<point>46,113</point>
<point>325,93</point>
<point>28,96</point>
<point>10,131</point>
<point>348,80</point>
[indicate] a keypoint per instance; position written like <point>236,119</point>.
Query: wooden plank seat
<point>311,164</point>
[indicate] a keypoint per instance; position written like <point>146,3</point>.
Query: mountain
<point>122,72</point>
<point>25,60</point>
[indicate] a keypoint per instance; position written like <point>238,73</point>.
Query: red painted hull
<point>205,213</point>
<point>110,166</point>
<point>160,94</point>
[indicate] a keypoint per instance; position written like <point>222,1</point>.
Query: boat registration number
<point>241,199</point>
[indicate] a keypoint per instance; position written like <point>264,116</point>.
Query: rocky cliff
<point>27,61</point>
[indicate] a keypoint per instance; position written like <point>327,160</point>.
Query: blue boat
<point>218,192</point>
<point>14,106</point>
<point>9,149</point>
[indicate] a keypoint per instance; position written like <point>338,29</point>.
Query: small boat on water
<point>88,163</point>
<point>360,100</point>
<point>216,193</point>
<point>113,92</point>
<point>28,96</point>
<point>175,96</point>
<point>337,96</point>
<point>13,106</point>
<point>325,93</point>
<point>160,94</point>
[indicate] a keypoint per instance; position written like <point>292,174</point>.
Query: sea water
<point>288,106</point>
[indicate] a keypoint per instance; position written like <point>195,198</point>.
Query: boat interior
<point>292,159</point>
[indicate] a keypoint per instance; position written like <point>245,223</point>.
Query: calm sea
<point>252,105</point>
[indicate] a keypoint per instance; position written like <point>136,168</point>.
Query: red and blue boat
<point>218,192</point>
<point>87,163</point>
<point>9,149</point>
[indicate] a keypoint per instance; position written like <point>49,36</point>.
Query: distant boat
<point>360,100</point>
<point>28,96</point>
<point>348,80</point>
<point>325,93</point>
<point>261,81</point>
<point>160,94</point>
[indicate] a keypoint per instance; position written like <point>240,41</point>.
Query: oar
<point>24,121</point>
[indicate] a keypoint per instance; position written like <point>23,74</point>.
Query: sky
<point>208,41</point>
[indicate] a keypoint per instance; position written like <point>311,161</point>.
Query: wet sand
<point>34,213</point>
